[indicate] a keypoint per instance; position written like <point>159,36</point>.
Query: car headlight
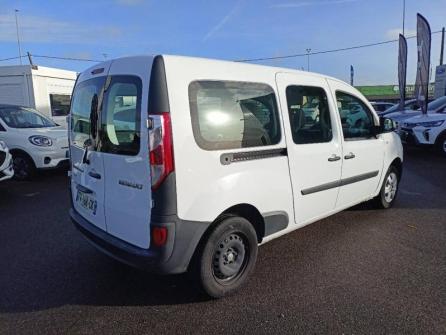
<point>431,124</point>
<point>41,141</point>
<point>2,145</point>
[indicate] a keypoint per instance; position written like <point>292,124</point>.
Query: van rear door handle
<point>334,158</point>
<point>350,156</point>
<point>94,174</point>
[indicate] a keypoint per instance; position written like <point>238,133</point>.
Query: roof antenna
<point>34,67</point>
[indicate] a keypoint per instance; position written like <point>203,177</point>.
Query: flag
<point>402,69</point>
<point>423,65</point>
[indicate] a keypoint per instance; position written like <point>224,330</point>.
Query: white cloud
<point>224,20</point>
<point>39,29</point>
<point>310,3</point>
<point>393,34</point>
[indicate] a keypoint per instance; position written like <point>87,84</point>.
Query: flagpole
<point>18,36</point>
<point>404,14</point>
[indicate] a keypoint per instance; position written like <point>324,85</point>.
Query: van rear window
<point>230,115</point>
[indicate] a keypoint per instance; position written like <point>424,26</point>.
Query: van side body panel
<point>205,186</point>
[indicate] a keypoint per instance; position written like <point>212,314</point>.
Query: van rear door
<point>124,144</point>
<point>87,168</point>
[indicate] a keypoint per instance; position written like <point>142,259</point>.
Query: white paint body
<point>31,87</point>
<point>205,188</point>
<point>423,132</point>
<point>18,138</point>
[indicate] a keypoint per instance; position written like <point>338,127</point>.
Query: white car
<point>189,164</point>
<point>34,141</point>
<point>6,170</point>
<point>428,129</point>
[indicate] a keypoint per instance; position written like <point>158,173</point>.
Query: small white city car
<point>426,129</point>
<point>34,141</point>
<point>6,170</point>
<point>184,164</point>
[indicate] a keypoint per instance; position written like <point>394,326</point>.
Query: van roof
<point>216,62</point>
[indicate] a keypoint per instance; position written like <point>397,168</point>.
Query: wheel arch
<point>398,164</point>
<point>440,137</point>
<point>16,151</point>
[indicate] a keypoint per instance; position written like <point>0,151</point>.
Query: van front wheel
<point>389,189</point>
<point>227,257</point>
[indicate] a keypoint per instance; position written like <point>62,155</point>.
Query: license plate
<point>87,202</point>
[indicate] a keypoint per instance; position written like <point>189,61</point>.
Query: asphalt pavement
<point>362,271</point>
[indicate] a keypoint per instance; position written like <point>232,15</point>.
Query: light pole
<point>308,58</point>
<point>18,36</point>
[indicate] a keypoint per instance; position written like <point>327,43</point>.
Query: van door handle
<point>334,158</point>
<point>350,156</point>
<point>94,174</point>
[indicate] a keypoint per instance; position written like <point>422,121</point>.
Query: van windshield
<point>23,117</point>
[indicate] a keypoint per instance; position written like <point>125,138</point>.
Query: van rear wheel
<point>227,257</point>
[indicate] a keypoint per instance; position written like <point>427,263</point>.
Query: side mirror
<point>386,125</point>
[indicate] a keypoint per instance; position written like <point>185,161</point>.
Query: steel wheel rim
<point>444,146</point>
<point>390,187</point>
<point>230,258</point>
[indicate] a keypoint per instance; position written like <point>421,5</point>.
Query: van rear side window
<point>231,115</point>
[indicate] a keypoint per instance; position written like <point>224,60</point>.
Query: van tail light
<point>159,236</point>
<point>161,149</point>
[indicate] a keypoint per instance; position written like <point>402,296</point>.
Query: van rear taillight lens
<point>161,150</point>
<point>159,236</point>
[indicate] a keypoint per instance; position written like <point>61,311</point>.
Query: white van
<point>189,164</point>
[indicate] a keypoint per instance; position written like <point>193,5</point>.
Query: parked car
<point>432,107</point>
<point>380,107</point>
<point>212,158</point>
<point>428,129</point>
<point>6,171</point>
<point>409,105</point>
<point>34,141</point>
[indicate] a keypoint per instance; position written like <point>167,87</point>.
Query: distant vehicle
<point>409,105</point>
<point>189,164</point>
<point>428,129</point>
<point>6,170</point>
<point>433,107</point>
<point>47,89</point>
<point>380,107</point>
<point>34,141</point>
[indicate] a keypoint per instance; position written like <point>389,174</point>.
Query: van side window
<point>121,116</point>
<point>230,115</point>
<point>309,114</point>
<point>356,117</point>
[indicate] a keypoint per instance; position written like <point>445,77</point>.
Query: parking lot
<point>360,271</point>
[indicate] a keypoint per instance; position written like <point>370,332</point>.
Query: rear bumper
<point>174,257</point>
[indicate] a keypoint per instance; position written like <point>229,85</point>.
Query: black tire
<point>24,168</point>
<point>389,189</point>
<point>226,257</point>
<point>441,144</point>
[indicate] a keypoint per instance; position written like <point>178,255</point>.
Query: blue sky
<point>238,29</point>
